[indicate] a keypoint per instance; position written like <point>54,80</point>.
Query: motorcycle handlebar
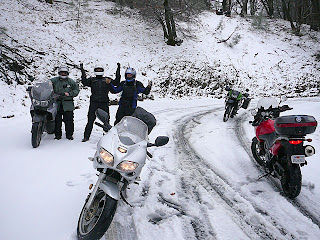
<point>105,128</point>
<point>270,113</point>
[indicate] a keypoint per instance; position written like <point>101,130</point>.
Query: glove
<point>150,83</point>
<point>108,80</point>
<point>81,68</point>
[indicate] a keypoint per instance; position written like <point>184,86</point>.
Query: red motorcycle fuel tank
<point>266,127</point>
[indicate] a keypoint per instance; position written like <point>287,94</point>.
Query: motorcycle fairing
<point>42,90</point>
<point>275,148</point>
<point>136,152</point>
<point>111,189</point>
<point>266,127</point>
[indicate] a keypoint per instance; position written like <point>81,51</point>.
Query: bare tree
<point>269,6</point>
<point>315,15</point>
<point>253,7</point>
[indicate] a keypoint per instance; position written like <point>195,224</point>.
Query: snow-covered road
<point>201,185</point>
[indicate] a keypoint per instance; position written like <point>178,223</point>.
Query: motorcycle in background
<point>120,156</point>
<point>234,101</point>
<point>279,143</point>
<point>43,110</point>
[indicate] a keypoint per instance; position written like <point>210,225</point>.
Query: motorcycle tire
<point>291,181</point>
<point>255,149</point>
<point>36,133</point>
<point>227,113</point>
<point>93,223</point>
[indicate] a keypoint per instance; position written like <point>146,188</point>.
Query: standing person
<point>100,87</point>
<point>67,89</point>
<point>130,89</point>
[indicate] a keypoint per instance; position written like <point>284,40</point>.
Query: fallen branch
<point>58,22</point>
<point>221,41</point>
<point>9,116</point>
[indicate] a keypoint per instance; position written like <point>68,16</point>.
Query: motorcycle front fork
<point>95,189</point>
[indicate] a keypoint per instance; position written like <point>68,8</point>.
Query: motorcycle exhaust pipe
<point>309,150</point>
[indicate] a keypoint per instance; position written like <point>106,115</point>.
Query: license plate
<point>298,159</point>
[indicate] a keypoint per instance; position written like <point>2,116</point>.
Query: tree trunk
<point>253,7</point>
<point>244,8</point>
<point>315,15</point>
<point>286,9</point>
<point>168,17</point>
<point>268,4</point>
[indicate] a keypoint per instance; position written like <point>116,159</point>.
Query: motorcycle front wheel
<point>291,181</point>
<point>256,152</point>
<point>94,222</point>
<point>227,113</point>
<point>36,133</point>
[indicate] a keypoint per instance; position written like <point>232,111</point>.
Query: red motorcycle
<point>279,143</point>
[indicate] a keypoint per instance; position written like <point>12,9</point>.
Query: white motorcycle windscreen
<point>132,130</point>
<point>267,102</point>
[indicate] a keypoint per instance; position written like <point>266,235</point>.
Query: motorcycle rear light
<point>295,142</point>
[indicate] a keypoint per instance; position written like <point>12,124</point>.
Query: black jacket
<point>99,87</point>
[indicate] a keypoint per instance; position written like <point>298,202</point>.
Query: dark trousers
<point>67,117</point>
<point>92,115</point>
<point>123,111</point>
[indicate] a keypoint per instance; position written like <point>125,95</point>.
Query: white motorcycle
<point>120,156</point>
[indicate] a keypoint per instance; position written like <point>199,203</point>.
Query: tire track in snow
<point>118,232</point>
<point>217,186</point>
<point>245,143</point>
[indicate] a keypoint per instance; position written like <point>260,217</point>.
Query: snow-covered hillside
<point>269,61</point>
<point>203,184</point>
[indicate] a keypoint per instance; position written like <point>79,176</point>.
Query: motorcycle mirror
<point>253,112</point>
<point>161,141</point>
<point>102,115</point>
<point>283,99</point>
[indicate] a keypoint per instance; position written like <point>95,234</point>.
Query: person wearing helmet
<point>130,89</point>
<point>67,89</point>
<point>100,87</point>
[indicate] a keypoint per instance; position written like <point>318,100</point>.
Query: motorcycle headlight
<point>36,102</point>
<point>234,95</point>
<point>106,157</point>
<point>44,103</point>
<point>127,166</point>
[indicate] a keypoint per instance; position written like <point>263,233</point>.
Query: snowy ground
<point>203,184</point>
<point>214,196</point>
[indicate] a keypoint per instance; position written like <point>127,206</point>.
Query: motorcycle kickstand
<point>265,175</point>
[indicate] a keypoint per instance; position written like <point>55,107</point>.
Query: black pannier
<point>295,125</point>
<point>245,103</point>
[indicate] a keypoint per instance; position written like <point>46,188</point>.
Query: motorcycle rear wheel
<point>227,113</point>
<point>36,133</point>
<point>93,223</point>
<point>291,181</point>
<point>255,149</point>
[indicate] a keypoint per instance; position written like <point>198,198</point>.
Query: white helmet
<point>98,71</point>
<point>63,72</point>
